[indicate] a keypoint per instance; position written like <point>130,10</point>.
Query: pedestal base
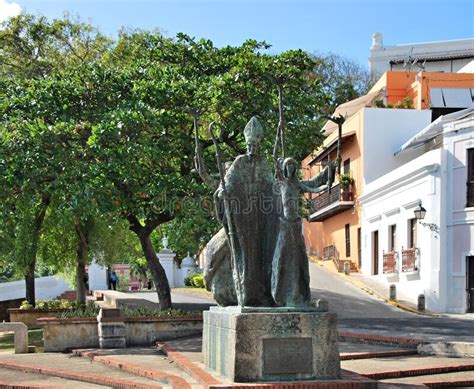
<point>252,344</point>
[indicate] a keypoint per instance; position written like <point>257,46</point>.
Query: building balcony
<point>409,259</point>
<point>330,203</point>
<point>390,262</point>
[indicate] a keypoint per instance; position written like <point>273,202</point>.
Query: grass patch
<point>193,291</point>
<point>35,338</point>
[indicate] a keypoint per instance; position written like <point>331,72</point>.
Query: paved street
<point>358,311</point>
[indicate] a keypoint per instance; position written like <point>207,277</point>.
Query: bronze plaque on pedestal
<point>287,356</point>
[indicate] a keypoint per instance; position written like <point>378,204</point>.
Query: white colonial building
<point>453,56</point>
<point>433,256</point>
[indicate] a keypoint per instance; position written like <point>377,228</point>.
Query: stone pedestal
<point>111,328</point>
<point>271,344</point>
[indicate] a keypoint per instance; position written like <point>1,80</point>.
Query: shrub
<point>145,312</point>
<point>408,102</point>
<point>379,103</point>
<point>187,281</point>
<point>88,310</point>
<point>197,280</point>
<point>44,305</point>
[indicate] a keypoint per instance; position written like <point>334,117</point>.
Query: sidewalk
<point>374,287</point>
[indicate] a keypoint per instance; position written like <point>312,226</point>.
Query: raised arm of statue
<point>202,170</point>
<point>199,161</point>
<point>320,179</point>
<point>310,189</point>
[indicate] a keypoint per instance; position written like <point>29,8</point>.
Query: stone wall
<point>146,331</point>
<point>64,334</point>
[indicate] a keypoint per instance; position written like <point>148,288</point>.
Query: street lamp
<point>420,213</point>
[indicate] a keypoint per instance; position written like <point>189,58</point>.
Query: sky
<point>343,27</point>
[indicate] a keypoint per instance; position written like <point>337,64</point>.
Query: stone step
<point>143,362</point>
<point>76,369</point>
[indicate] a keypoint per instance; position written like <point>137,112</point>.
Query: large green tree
<point>33,48</point>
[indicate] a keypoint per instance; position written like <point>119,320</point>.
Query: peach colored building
<point>371,134</point>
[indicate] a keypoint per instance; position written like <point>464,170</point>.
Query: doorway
<point>375,251</point>
<point>470,284</point>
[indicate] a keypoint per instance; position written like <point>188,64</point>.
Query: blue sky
<point>341,26</point>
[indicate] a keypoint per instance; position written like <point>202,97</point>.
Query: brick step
<point>173,380</point>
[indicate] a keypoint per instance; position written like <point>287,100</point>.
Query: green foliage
<point>144,312</point>
<point>33,46</point>
<point>195,280</point>
<point>44,305</point>
<point>408,102</point>
<point>346,180</point>
<point>341,79</point>
<point>88,310</point>
<point>379,103</point>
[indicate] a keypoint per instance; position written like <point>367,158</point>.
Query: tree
<point>342,79</point>
<point>32,49</point>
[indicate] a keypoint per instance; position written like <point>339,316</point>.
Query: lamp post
<point>420,213</point>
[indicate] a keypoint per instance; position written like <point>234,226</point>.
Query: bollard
<point>421,302</point>
<point>393,292</point>
<point>347,268</point>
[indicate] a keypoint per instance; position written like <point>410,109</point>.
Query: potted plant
<point>346,181</point>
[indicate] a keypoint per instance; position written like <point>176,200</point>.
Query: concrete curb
<point>91,378</point>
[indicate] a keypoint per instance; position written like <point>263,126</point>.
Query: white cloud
<point>8,10</point>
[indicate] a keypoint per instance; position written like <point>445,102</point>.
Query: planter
<point>346,194</point>
<point>30,316</point>
<point>63,334</point>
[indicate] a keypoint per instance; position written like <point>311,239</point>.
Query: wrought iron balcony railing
<point>409,259</point>
<point>330,203</point>
<point>390,262</point>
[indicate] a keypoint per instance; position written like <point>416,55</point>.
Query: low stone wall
<point>30,316</point>
<point>145,331</point>
<point>63,334</point>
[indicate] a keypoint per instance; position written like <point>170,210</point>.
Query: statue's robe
<point>254,217</point>
<point>290,276</point>
<point>218,271</point>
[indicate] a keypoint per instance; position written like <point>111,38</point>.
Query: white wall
<point>385,129</point>
<point>381,55</point>
<point>459,219</point>
<point>45,288</point>
<point>391,200</point>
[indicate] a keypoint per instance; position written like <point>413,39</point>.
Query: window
<point>392,237</point>
<point>347,166</point>
<point>411,238</point>
<point>470,178</point>
<point>348,240</point>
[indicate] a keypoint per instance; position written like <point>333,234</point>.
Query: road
<point>358,311</point>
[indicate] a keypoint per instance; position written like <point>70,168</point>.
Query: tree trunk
<point>159,275</point>
<point>82,252</point>
<point>35,240</point>
<point>143,233</point>
<point>30,284</point>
